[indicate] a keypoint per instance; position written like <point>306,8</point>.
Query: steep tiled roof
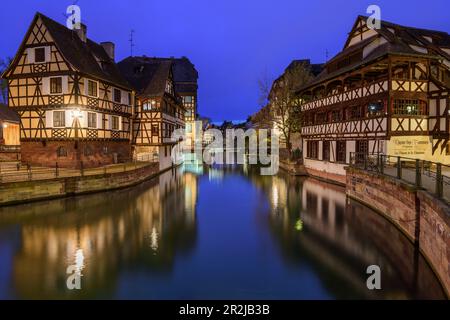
<point>148,77</point>
<point>8,114</point>
<point>185,75</point>
<point>401,40</point>
<point>89,58</point>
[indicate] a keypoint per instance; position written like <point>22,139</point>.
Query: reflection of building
<point>159,110</point>
<point>73,103</point>
<point>313,221</point>
<point>386,92</point>
<point>102,235</point>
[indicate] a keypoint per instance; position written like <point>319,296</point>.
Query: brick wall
<point>403,204</point>
<point>90,153</point>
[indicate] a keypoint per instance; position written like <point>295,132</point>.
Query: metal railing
<point>431,176</point>
<point>21,173</point>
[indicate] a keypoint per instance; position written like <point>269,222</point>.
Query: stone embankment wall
<point>20,192</point>
<point>422,217</point>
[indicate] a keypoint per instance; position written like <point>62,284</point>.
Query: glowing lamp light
<point>5,125</point>
<point>77,114</point>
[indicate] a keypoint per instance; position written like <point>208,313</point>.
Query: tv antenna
<point>131,40</point>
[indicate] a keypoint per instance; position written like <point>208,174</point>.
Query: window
<point>92,88</point>
<point>88,151</point>
<point>410,107</point>
<point>375,109</point>
<point>354,113</point>
<point>155,130</point>
<point>336,116</point>
<point>39,55</point>
<point>55,85</point>
<point>117,96</point>
<point>149,105</point>
<point>59,119</point>
<point>169,86</point>
<point>341,151</point>
<point>115,123</point>
<point>362,150</point>
<point>92,120</point>
<point>326,151</point>
<point>105,150</point>
<point>313,149</point>
<point>61,152</point>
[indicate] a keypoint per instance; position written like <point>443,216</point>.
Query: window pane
<point>117,95</point>
<point>55,85</point>
<point>92,88</point>
<point>39,55</point>
<point>92,120</point>
<point>59,119</point>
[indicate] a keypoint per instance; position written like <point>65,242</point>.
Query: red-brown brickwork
<point>89,153</point>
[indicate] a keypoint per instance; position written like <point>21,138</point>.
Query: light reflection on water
<point>208,233</point>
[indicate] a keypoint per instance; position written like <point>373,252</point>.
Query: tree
<point>284,105</point>
<point>4,64</point>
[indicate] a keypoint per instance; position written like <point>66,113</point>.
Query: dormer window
<point>39,55</point>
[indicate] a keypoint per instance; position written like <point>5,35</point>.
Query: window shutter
<point>120,123</point>
<point>49,119</point>
<point>124,97</point>
<point>45,86</point>
<point>65,84</point>
<point>30,55</point>
<point>110,122</point>
<point>48,54</point>
<point>99,121</point>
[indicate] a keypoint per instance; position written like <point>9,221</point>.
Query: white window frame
<point>87,88</point>
<point>53,119</point>
<point>50,86</point>
<point>96,120</point>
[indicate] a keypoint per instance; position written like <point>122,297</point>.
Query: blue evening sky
<point>232,43</point>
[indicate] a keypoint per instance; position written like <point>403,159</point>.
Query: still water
<point>203,233</point>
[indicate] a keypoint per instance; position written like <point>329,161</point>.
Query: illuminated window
<point>150,105</point>
<point>59,119</point>
<point>55,85</point>
<point>39,55</point>
<point>92,120</point>
<point>155,130</point>
<point>375,109</point>
<point>410,107</point>
<point>92,88</point>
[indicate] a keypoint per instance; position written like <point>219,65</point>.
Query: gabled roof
<point>148,77</point>
<point>185,75</point>
<point>85,58</point>
<point>8,114</point>
<point>400,40</point>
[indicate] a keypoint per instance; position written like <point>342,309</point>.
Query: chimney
<point>82,32</point>
<point>110,49</point>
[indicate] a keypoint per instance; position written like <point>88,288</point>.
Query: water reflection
<point>201,233</point>
<point>315,221</point>
<point>143,227</point>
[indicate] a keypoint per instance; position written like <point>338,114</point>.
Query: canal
<point>209,233</point>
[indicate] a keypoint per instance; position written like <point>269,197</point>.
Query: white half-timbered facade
<point>386,92</point>
<point>74,105</point>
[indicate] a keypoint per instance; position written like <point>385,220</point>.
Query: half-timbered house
<point>158,110</point>
<point>74,105</point>
<point>386,92</point>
